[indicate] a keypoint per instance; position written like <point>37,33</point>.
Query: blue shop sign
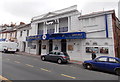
<point>37,37</point>
<point>74,35</point>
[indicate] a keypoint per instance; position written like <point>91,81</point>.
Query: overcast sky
<point>23,10</point>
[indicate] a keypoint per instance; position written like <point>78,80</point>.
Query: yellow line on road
<point>68,76</point>
<point>45,70</point>
<point>29,65</point>
<point>16,62</point>
<point>3,78</point>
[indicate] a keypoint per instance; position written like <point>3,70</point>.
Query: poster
<point>43,46</point>
<point>104,50</point>
<point>70,47</point>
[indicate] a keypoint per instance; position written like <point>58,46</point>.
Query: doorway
<point>39,47</point>
<point>24,46</point>
<point>63,45</point>
<point>50,45</point>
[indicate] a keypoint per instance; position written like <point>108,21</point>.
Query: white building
<point>68,31</point>
<point>22,33</point>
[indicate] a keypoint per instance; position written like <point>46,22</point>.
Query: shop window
<point>29,44</point>
<point>33,47</point>
<point>63,29</point>
<point>90,49</point>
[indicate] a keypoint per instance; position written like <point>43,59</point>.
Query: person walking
<point>93,55</point>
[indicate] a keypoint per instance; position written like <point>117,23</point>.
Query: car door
<point>49,56</point>
<point>53,56</point>
<point>100,63</point>
<point>112,64</point>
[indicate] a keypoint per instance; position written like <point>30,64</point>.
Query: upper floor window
<point>20,33</point>
<point>27,32</point>
<point>63,29</point>
<point>50,31</point>
<point>40,28</point>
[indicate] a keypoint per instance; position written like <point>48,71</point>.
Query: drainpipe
<point>106,25</point>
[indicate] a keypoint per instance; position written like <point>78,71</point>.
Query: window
<point>94,43</point>
<point>112,60</point>
<point>87,43</point>
<point>40,28</point>
<point>27,32</point>
<point>20,33</point>
<point>50,31</point>
<point>29,44</point>
<point>104,50</point>
<point>102,59</point>
<point>63,29</point>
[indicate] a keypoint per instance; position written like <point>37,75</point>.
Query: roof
<point>56,13</point>
<point>96,14</point>
<point>23,26</point>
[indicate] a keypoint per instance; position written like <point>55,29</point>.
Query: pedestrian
<point>93,55</point>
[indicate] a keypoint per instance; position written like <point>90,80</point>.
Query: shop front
<point>55,42</point>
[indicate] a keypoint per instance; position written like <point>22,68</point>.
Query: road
<point>21,67</point>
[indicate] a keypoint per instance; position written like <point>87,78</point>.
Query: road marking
<point>45,70</point>
<point>16,61</point>
<point>29,65</point>
<point>68,76</point>
<point>3,78</point>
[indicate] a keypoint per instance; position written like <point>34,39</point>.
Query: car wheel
<point>59,61</point>
<point>43,58</point>
<point>118,72</point>
<point>5,51</point>
<point>88,66</point>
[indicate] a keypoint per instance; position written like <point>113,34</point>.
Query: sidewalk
<point>71,61</point>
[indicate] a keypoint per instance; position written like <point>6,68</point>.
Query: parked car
<point>105,63</point>
<point>59,57</point>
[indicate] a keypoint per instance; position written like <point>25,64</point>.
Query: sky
<point>23,10</point>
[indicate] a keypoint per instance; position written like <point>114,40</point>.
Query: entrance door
<point>50,45</point>
<point>40,47</point>
<point>24,46</point>
<point>63,45</point>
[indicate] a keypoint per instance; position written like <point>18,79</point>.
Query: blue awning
<point>72,35</point>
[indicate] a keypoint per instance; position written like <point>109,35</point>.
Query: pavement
<point>71,61</point>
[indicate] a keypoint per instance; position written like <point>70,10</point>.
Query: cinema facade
<point>68,31</point>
